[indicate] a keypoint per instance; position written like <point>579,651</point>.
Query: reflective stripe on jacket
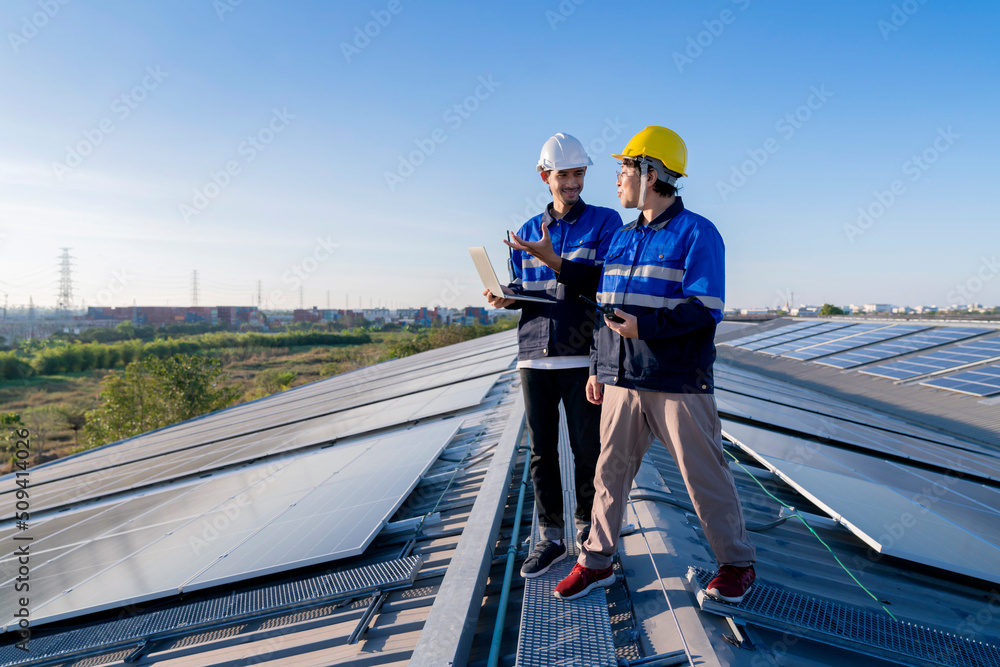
<point>564,328</point>
<point>670,274</point>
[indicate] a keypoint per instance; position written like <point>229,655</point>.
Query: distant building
<point>877,308</point>
<point>472,315</point>
<point>421,317</point>
<point>234,316</point>
<point>378,315</point>
<point>108,313</point>
<point>301,315</point>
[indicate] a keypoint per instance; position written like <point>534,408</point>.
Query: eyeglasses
<point>622,173</point>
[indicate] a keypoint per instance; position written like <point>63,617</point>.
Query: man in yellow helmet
<point>651,372</point>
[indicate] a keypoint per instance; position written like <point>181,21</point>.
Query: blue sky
<point>278,142</point>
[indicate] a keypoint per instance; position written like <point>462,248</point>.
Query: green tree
<point>153,393</point>
<point>830,309</point>
<point>42,421</point>
<point>74,416</point>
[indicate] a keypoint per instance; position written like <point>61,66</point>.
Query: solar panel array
<point>770,334</point>
<point>979,382</point>
<point>907,345</point>
<point>302,477</point>
<point>855,341</point>
<point>850,330</point>
<point>921,516</point>
<point>822,327</point>
<point>940,360</point>
<point>267,518</point>
<point>878,439</point>
<point>303,417</point>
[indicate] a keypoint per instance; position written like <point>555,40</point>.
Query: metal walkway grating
<point>183,618</point>
<point>862,630</point>
<point>555,632</point>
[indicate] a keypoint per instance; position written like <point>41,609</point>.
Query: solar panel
<point>940,360</point>
<point>773,332</point>
<point>318,506</point>
<point>780,394</point>
<point>401,409</point>
<point>979,382</point>
<point>885,504</point>
<point>851,330</point>
<point>379,382</point>
<point>882,439</point>
<point>915,343</point>
<point>796,335</point>
<point>864,338</point>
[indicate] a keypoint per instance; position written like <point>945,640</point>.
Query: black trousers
<point>543,389</point>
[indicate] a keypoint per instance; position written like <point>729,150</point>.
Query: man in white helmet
<point>554,341</point>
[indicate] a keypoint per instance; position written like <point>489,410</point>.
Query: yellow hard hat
<point>659,143</point>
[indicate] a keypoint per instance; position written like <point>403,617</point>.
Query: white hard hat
<point>563,151</point>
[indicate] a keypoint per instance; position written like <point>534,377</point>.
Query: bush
<point>13,367</point>
<point>153,393</point>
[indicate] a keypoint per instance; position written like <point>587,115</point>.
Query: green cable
<point>803,520</point>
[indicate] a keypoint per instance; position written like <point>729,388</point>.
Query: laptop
<point>492,283</point>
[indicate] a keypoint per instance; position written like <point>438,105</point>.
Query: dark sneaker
<point>541,559</point>
<point>731,583</point>
<point>582,535</point>
<point>582,580</point>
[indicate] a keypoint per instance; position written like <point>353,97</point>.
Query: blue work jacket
<point>566,327</point>
<point>670,274</point>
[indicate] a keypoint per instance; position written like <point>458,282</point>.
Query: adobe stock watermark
<point>248,150</point>
<point>786,127</point>
<point>899,16</point>
<point>965,291</point>
<point>564,11</point>
<point>223,7</point>
<point>454,116</point>
<point>452,291</point>
<point>915,167</point>
<point>299,272</point>
<point>782,300</point>
<point>612,129</point>
<point>121,108</point>
<point>896,530</point>
<point>699,42</point>
<point>215,523</point>
<point>974,625</point>
<point>120,279</point>
<point>363,36</point>
<point>30,25</point>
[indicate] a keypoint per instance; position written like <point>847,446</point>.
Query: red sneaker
<point>731,583</point>
<point>582,580</point>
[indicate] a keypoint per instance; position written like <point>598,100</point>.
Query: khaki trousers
<point>688,425</point>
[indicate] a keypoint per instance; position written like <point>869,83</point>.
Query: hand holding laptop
<point>498,301</point>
